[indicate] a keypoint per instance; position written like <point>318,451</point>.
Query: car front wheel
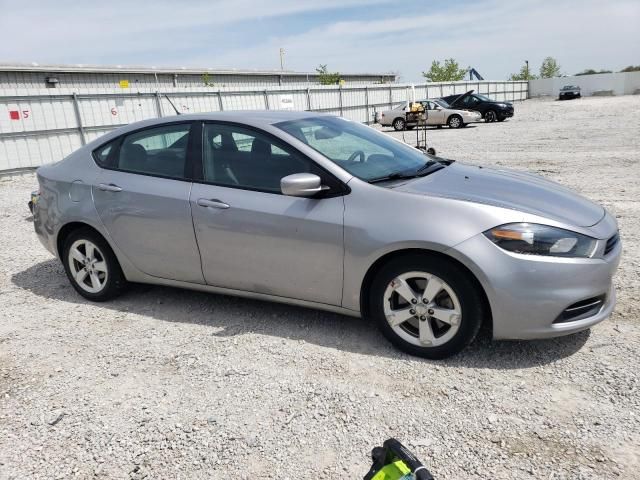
<point>455,121</point>
<point>426,306</point>
<point>490,116</point>
<point>91,266</point>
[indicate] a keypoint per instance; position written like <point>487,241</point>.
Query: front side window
<point>236,156</point>
<point>160,151</point>
<point>358,149</point>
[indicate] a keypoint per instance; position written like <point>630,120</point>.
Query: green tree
<point>631,68</point>
<point>523,74</point>
<point>591,71</point>
<point>549,68</point>
<point>207,80</point>
<point>325,77</point>
<point>449,72</point>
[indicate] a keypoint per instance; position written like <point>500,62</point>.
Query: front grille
<point>582,309</point>
<point>611,243</point>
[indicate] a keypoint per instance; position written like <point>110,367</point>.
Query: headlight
<point>534,239</point>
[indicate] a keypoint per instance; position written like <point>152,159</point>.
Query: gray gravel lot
<point>165,383</point>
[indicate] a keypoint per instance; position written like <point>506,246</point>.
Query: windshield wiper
<point>393,176</point>
<point>424,170</point>
<point>428,168</point>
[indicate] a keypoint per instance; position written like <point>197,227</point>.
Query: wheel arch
<point>68,228</point>
<point>454,115</point>
<point>390,256</point>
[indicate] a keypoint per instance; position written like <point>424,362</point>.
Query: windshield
<point>360,150</point>
<point>442,103</point>
<point>569,87</point>
<point>482,97</point>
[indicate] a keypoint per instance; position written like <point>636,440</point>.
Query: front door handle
<point>213,203</point>
<point>109,187</point>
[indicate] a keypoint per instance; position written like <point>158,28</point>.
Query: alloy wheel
<point>454,122</point>
<point>490,116</point>
<point>88,266</point>
<point>422,309</point>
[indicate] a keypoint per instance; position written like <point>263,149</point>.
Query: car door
<point>142,198</point>
<point>253,238</point>
<point>435,114</point>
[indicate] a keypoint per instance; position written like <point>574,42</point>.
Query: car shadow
<point>233,316</point>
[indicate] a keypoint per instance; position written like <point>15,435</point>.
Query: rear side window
<point>160,151</point>
<point>104,153</point>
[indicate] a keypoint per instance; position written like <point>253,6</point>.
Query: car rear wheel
<point>399,124</point>
<point>426,306</point>
<point>91,266</point>
<point>455,121</point>
<point>490,116</point>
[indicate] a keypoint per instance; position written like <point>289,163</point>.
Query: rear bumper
<point>528,293</point>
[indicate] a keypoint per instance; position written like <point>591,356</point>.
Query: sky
<point>350,36</point>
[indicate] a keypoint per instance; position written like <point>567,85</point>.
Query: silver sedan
<point>328,213</point>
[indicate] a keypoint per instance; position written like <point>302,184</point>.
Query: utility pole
<point>281,58</point>
<point>528,81</point>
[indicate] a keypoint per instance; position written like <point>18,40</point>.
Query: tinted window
<point>104,153</point>
<point>155,151</point>
<point>241,157</point>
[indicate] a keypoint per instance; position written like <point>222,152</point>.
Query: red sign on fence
<point>14,114</point>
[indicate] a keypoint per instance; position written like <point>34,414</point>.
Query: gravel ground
<point>165,383</point>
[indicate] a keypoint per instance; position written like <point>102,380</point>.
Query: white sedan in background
<point>438,113</point>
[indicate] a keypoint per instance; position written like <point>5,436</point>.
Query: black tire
<point>473,311</point>
<point>455,121</point>
<point>490,116</point>
<point>399,124</point>
<point>115,282</point>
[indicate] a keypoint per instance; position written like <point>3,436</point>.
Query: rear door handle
<point>109,187</point>
<point>213,203</point>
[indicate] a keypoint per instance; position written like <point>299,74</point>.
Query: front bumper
<point>505,114</point>
<point>472,118</point>
<point>527,293</point>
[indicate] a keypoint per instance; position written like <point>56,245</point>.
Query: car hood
<point>520,191</point>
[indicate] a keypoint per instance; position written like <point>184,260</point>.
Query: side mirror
<point>301,185</point>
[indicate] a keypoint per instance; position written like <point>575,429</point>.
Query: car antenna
<point>174,107</point>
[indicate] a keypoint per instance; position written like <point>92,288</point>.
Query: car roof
<point>254,118</point>
<point>251,117</point>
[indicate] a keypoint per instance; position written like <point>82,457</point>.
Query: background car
<point>491,110</point>
<point>439,113</point>
<point>569,92</point>
<point>320,211</point>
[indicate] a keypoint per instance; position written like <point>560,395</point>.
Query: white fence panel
<point>40,128</point>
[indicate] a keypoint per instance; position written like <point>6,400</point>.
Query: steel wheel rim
<point>88,266</point>
<point>430,316</point>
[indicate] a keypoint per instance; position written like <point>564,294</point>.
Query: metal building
<point>21,79</point>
